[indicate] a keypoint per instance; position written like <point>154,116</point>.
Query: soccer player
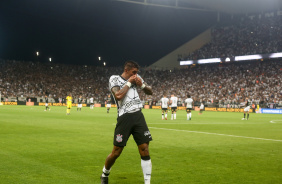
<point>109,103</point>
<point>130,119</point>
<point>246,109</point>
<point>46,103</point>
<point>173,102</point>
<point>69,103</point>
<point>79,103</point>
<point>91,100</point>
<point>189,105</point>
<point>202,107</point>
<point>165,102</point>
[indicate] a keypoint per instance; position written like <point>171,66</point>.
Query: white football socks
<point>147,170</point>
<point>106,172</point>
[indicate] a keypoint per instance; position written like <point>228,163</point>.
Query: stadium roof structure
<point>224,6</point>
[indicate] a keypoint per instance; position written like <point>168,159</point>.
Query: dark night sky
<point>78,31</point>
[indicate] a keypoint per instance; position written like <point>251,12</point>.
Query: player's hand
<point>138,81</point>
<point>132,79</point>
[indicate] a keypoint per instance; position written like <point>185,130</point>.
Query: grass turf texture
<point>38,147</point>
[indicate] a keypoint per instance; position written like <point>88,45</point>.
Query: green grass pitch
<point>38,147</point>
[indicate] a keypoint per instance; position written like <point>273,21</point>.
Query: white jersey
<point>173,101</point>
<point>189,102</point>
<point>91,100</point>
<point>202,106</point>
<point>165,102</point>
<point>131,101</point>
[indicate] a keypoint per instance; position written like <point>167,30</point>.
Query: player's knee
<point>116,152</point>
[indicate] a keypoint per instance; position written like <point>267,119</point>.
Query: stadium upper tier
<point>228,82</point>
<point>252,35</point>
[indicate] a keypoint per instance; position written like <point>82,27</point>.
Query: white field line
<point>209,133</point>
<point>194,123</point>
<point>274,121</point>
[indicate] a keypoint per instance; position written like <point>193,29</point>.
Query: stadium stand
<point>216,84</point>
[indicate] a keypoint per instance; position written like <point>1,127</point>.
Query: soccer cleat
<point>165,118</point>
<point>104,180</point>
<point>243,118</point>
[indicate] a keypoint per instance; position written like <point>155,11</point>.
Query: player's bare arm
<point>146,88</point>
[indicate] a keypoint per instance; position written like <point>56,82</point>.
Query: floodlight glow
<point>276,55</point>
<point>212,60</point>
<point>227,59</point>
<point>37,53</point>
<point>186,62</point>
<point>99,58</point>
<point>104,63</point>
<point>248,57</point>
<point>50,59</point>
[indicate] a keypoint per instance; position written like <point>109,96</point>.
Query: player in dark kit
<point>79,103</point>
<point>130,119</point>
<point>109,103</point>
<point>46,103</point>
<point>246,109</point>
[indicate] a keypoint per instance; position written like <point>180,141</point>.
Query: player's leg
<point>166,115</point>
<point>247,115</point>
<point>162,114</point>
<point>175,114</point>
<point>110,160</point>
<point>146,163</point>
<point>172,112</point>
<point>187,111</point>
<point>244,115</point>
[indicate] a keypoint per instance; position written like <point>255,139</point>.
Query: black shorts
<point>188,109</point>
<point>173,108</point>
<point>164,109</point>
<point>131,123</point>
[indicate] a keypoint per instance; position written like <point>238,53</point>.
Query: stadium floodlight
<point>247,57</point>
<point>276,55</point>
<point>99,58</point>
<point>212,60</point>
<point>227,59</point>
<point>37,53</point>
<point>50,59</point>
<point>104,63</point>
<point>186,62</point>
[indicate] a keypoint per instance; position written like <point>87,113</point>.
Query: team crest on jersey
<point>119,138</point>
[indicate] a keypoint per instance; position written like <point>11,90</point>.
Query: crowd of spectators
<point>224,83</point>
<point>244,37</point>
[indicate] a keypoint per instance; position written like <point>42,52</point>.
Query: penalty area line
<point>209,133</point>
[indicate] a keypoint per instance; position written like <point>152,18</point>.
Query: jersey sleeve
<point>114,81</point>
<point>140,78</point>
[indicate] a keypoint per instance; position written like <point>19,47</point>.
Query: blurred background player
<point>173,102</point>
<point>69,103</point>
<point>246,109</point>
<point>79,103</point>
<point>189,105</point>
<point>91,100</point>
<point>202,107</point>
<point>46,103</point>
<point>109,103</point>
<point>165,102</point>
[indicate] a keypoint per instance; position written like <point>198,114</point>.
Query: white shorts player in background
<point>202,107</point>
<point>173,103</point>
<point>246,109</point>
<point>91,100</point>
<point>189,106</point>
<point>165,102</point>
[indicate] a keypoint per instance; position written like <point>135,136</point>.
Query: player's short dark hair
<point>188,95</point>
<point>131,64</point>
